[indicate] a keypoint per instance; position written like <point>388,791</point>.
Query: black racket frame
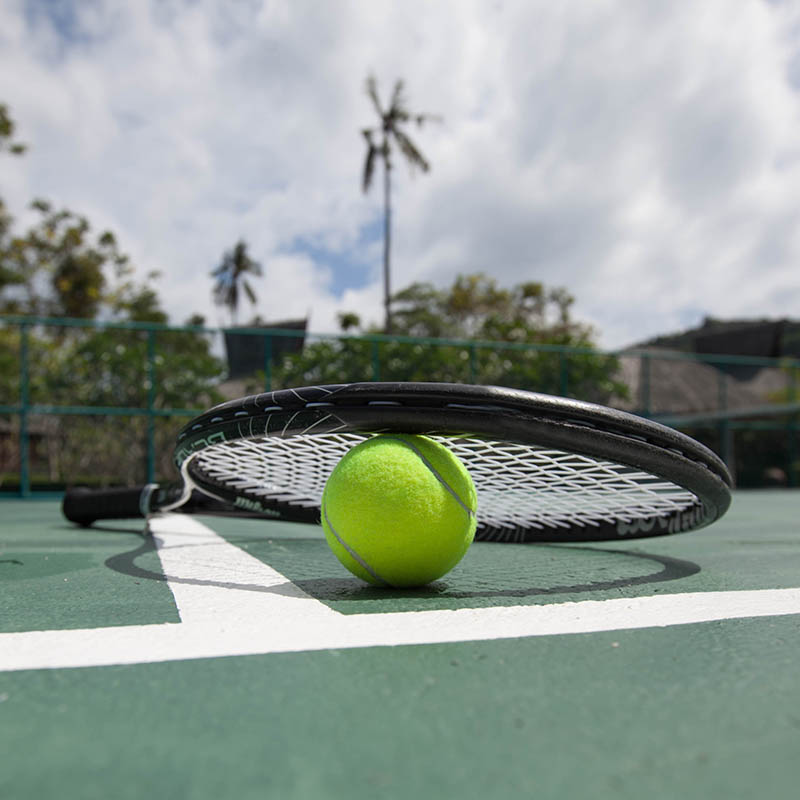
<point>437,409</point>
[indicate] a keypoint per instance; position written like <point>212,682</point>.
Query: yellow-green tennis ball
<point>399,510</point>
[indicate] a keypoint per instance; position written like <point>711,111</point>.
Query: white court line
<point>269,614</point>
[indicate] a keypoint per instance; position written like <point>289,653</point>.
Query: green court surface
<point>226,658</point>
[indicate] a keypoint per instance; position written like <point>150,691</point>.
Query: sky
<point>643,155</point>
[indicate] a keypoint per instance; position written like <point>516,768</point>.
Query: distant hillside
<point>707,382</point>
<point>759,338</point>
<point>660,383</point>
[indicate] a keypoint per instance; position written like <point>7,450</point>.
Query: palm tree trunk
<point>387,240</point>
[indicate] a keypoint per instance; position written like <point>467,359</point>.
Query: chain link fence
<point>99,403</point>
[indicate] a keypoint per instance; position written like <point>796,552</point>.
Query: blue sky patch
<point>350,268</point>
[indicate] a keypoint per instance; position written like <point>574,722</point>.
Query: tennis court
<point>236,658</point>
<point>249,396</point>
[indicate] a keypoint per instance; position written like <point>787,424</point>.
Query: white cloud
<point>641,154</point>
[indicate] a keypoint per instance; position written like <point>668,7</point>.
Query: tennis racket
<point>545,468</point>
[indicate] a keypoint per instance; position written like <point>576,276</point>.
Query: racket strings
<point>519,486</point>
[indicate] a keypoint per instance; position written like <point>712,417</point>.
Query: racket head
<point>545,468</point>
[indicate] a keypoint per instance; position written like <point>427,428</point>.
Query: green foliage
<point>475,307</point>
<point>103,367</point>
<point>348,320</point>
<point>7,128</point>
<point>498,331</point>
<point>9,366</point>
<point>108,367</point>
<point>61,267</point>
<point>58,267</point>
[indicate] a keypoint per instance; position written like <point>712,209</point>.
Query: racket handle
<point>85,506</point>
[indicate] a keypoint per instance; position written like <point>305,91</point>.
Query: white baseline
<point>232,604</point>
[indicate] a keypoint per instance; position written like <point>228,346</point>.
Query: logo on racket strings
<point>675,523</point>
<point>248,504</point>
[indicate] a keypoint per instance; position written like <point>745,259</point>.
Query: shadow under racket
<point>489,572</point>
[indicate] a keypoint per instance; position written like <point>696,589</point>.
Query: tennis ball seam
<point>436,474</point>
<point>353,553</point>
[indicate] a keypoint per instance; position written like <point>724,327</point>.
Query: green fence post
<point>722,391</point>
<point>376,360</point>
<point>644,384</point>
<point>725,429</point>
<point>792,430</point>
<point>151,405</point>
<point>267,363</point>
<point>24,398</point>
<point>563,374</point>
<point>473,364</point>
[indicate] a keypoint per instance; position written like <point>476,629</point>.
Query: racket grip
<point>85,506</point>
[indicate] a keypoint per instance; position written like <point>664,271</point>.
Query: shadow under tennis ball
<point>568,570</point>
<point>488,574</point>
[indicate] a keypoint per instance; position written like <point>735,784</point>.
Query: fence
<point>99,402</point>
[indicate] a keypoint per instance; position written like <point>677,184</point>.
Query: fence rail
<point>77,395</point>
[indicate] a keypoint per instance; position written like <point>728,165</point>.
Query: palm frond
<point>220,290</point>
<point>372,91</point>
<point>396,116</point>
<point>253,267</point>
<point>421,119</point>
<point>369,162</point>
<point>241,263</point>
<point>398,100</point>
<point>369,169</point>
<point>410,151</point>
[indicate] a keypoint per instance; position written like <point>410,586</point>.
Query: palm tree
<point>232,274</point>
<point>379,145</point>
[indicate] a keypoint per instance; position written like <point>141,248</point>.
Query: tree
<point>475,307</point>
<point>7,128</point>
<point>348,320</point>
<point>379,146</point>
<point>232,274</point>
<point>8,277</point>
<point>473,332</point>
<point>61,267</point>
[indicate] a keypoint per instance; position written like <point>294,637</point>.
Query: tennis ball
<point>399,510</point>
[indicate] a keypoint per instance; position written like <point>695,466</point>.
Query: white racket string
<point>519,486</point>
